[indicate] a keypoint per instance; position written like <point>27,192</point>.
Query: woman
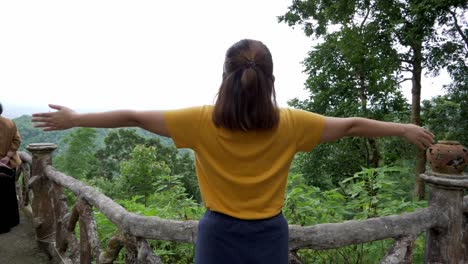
<point>243,145</point>
<point>10,141</point>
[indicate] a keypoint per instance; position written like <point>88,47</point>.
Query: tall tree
<point>118,145</point>
<point>445,116</point>
<point>142,171</point>
<point>351,73</point>
<point>77,158</point>
<point>410,25</point>
<point>450,51</point>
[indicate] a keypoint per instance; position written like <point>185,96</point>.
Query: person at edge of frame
<point>10,142</point>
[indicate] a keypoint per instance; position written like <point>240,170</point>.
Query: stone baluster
<point>446,243</point>
<point>42,202</point>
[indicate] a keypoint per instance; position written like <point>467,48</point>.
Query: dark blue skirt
<point>228,240</point>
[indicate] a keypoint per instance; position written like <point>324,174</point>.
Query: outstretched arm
<point>336,128</point>
<point>65,118</point>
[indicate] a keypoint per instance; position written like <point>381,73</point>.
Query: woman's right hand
<point>58,120</point>
<point>417,135</point>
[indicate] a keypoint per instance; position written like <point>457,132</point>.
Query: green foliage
<point>429,34</point>
<point>449,44</point>
<point>143,174</point>
<point>185,168</point>
<point>356,70</point>
<point>371,192</point>
<point>366,253</point>
<point>172,202</point>
<point>308,205</point>
<point>330,163</point>
<point>410,21</point>
<point>448,115</point>
<point>446,118</point>
<point>118,144</point>
<point>351,73</point>
<point>112,188</point>
<point>77,157</point>
<point>168,201</point>
<point>117,148</point>
<point>106,229</point>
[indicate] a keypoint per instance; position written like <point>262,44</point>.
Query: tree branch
<point>400,38</point>
<point>407,61</point>
<point>365,18</point>
<point>457,26</point>
<point>404,80</point>
<point>405,68</point>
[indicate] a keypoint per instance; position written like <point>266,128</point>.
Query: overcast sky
<point>141,54</point>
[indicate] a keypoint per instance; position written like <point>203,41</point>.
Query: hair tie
<point>251,64</point>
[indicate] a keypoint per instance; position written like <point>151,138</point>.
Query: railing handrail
<point>336,235</point>
<point>134,228</point>
<point>318,236</point>
<point>151,227</point>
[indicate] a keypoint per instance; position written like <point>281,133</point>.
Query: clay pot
<point>447,157</point>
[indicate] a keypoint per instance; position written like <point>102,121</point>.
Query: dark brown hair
<point>246,99</point>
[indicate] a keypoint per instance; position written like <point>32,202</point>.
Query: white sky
<point>141,54</point>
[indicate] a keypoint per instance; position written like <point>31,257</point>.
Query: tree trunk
<point>372,156</point>
<point>375,158</point>
<point>419,188</point>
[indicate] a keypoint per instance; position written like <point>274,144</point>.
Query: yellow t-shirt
<point>243,174</point>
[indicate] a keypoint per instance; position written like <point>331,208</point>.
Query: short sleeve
<point>308,129</point>
<point>183,126</point>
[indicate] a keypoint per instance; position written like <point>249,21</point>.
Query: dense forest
<point>367,50</point>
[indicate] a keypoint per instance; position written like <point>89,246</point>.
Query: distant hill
<point>14,111</point>
<point>18,111</point>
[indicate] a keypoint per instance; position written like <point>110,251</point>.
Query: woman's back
<point>243,174</point>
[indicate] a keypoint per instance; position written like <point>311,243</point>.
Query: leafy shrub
<point>372,192</point>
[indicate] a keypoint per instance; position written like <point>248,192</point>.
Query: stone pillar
<point>445,242</point>
<point>42,200</point>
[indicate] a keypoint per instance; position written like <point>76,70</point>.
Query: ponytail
<point>246,99</point>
